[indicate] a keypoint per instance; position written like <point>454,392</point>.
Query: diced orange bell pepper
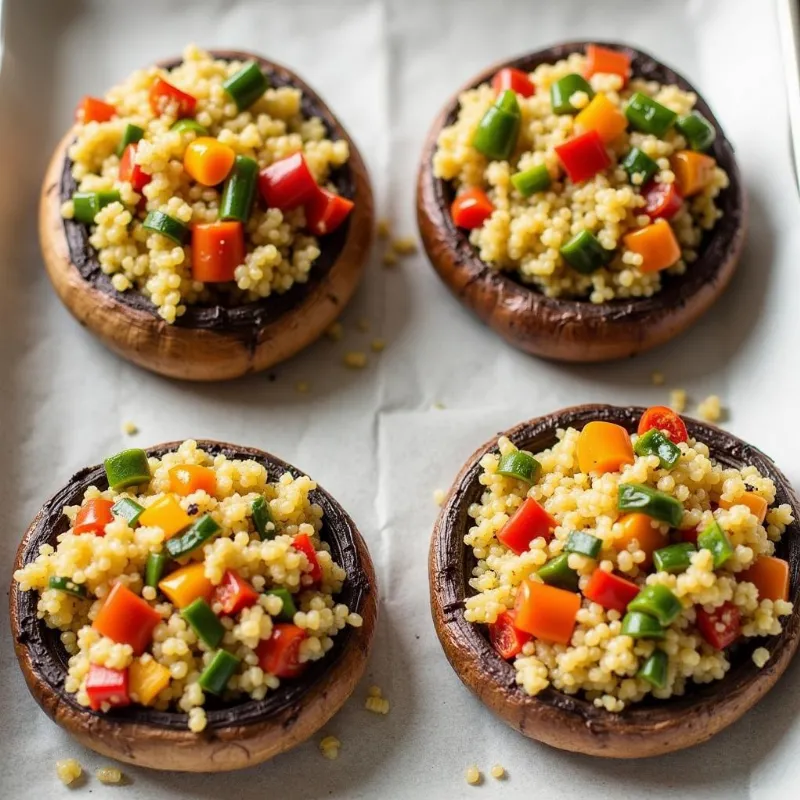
<point>604,447</point>
<point>217,249</point>
<point>90,109</point>
<point>185,479</point>
<point>656,244</point>
<point>770,576</point>
<point>546,612</point>
<point>603,116</point>
<point>127,619</point>
<point>640,527</point>
<point>186,584</point>
<point>146,679</point>
<point>693,171</point>
<point>755,502</point>
<point>208,161</point>
<point>166,514</point>
<point>604,60</point>
<point>93,517</point>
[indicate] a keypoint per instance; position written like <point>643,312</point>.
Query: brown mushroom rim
<point>250,316</point>
<point>453,564</point>
<point>49,658</point>
<point>717,245</point>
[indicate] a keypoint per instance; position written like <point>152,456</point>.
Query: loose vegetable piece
<point>675,558</point>
<point>527,523</point>
<point>200,532</point>
<point>658,601</point>
<point>656,244</point>
<point>234,593</point>
<point>583,156</point>
<point>204,622</point>
<point>174,229</point>
<point>166,514</point>
<point>497,133</point>
<point>603,116</point>
<point>147,678</point>
<point>214,678</point>
<point>514,79</point>
<point>471,209</point>
<point>697,130</point>
<point>639,163</point>
<point>91,109</point>
<point>604,447</point>
<point>280,654</point>
<point>520,465</point>
<point>639,527</point>
<point>532,180</point>
<point>154,568</point>
<point>557,572</point>
<point>583,543</point>
<point>326,211</point>
<point>247,85</point>
<point>128,468</point>
<point>757,504</point>
<point>648,116</point>
<point>127,619</point>
<point>168,99</point>
<point>208,161</point>
<point>584,253</point>
<point>770,576</point>
<point>654,670</point>
<point>506,638</point>
<point>693,171</point>
<point>186,479</point>
<point>67,585</point>
<point>658,505</point>
<point>87,204</point>
<point>186,584</point>
<point>654,443</point>
<point>262,517</point>
<point>183,125</point>
<point>604,60</point>
<point>105,685</point>
<point>720,627</point>
<point>642,626</point>
<point>240,190</point>
<point>289,608</point>
<point>93,517</point>
<point>610,591</point>
<point>562,90</point>
<point>287,183</point>
<point>217,249</point>
<point>662,200</point>
<point>131,135</point>
<point>303,544</point>
<point>128,509</point>
<point>131,172</point>
<point>546,612</point>
<point>663,419</point>
<point>713,538</point>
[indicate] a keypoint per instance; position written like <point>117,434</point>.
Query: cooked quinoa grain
<point>109,776</point>
<point>329,747</point>
<point>498,771</point>
<point>68,770</point>
<point>677,400</point>
<point>760,657</point>
<point>473,775</point>
<point>710,409</point>
<point>355,359</point>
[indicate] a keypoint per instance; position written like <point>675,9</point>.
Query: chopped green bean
<point>188,124</point>
<point>240,190</point>
<point>67,585</point>
<point>654,670</point>
<point>86,205</point>
<point>131,135</point>
<point>262,519</point>
<point>532,180</point>
<point>657,601</point>
<point>214,678</point>
<point>584,253</point>
<point>562,90</point>
<point>642,626</point>
<point>128,468</point>
<point>289,608</point>
<point>128,509</point>
<point>204,622</point>
<point>520,465</point>
<point>639,163</point>
<point>159,222</point>
<point>200,532</point>
<point>674,558</point>
<point>583,543</point>
<point>697,130</point>
<point>247,85</point>
<point>154,568</point>
<point>648,116</point>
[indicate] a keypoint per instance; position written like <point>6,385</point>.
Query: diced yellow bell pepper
<point>146,679</point>
<point>166,514</point>
<point>186,584</point>
<point>603,116</point>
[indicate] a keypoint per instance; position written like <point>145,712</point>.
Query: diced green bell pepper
<point>174,229</point>
<point>519,465</point>
<point>247,85</point>
<point>657,601</point>
<point>697,130</point>
<point>128,509</point>
<point>289,608</point>
<point>654,670</point>
<point>497,133</point>
<point>131,135</point>
<point>67,585</point>
<point>128,468</point>
<point>557,572</point>
<point>639,163</point>
<point>214,678</point>
<point>585,254</point>
<point>675,558</point>
<point>648,116</point>
<point>262,519</point>
<point>532,180</point>
<point>154,569</point>
<point>584,543</point>
<point>86,205</point>
<point>188,124</point>
<point>200,532</point>
<point>564,88</point>
<point>658,505</point>
<point>654,443</point>
<point>642,626</point>
<point>204,622</point>
<point>713,538</point>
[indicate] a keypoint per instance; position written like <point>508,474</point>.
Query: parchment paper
<point>375,438</point>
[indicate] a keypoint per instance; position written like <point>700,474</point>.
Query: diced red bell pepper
<point>168,99</point>
<point>90,109</point>
<point>326,211</point>
<point>720,628</point>
<point>104,685</point>
<point>287,183</point>
<point>690,535</point>
<point>93,517</point>
<point>664,419</point>
<point>303,544</point>
<point>234,593</point>
<point>527,523</point>
<point>603,60</point>
<point>279,655</point>
<point>663,200</point>
<point>506,638</point>
<point>131,172</point>
<point>127,619</point>
<point>610,591</point>
<point>471,209</point>
<point>583,156</point>
<point>514,79</point>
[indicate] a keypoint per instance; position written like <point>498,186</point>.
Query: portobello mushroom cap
<point>239,734</point>
<point>568,329</point>
<point>570,722</point>
<point>211,342</point>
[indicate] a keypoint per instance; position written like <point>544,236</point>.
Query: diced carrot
<point>208,161</point>
<point>546,612</point>
<point>217,249</point>
<point>90,109</point>
<point>127,619</point>
<point>604,447</point>
<point>771,577</point>
<point>755,502</point>
<point>167,514</point>
<point>693,171</point>
<point>186,584</point>
<point>640,527</point>
<point>604,60</point>
<point>656,244</point>
<point>185,479</point>
<point>603,116</point>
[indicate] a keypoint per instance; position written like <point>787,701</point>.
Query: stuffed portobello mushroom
<point>198,606</point>
<point>208,217</point>
<point>618,582</point>
<point>582,200</point>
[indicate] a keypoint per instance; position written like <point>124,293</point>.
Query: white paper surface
<point>374,438</point>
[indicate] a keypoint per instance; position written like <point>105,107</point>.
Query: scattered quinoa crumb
<point>303,387</point>
<point>498,771</point>
<point>657,378</point>
<point>109,775</point>
<point>129,428</point>
<point>376,702</point>
<point>438,496</point>
<point>363,324</point>
<point>378,345</point>
<point>389,258</point>
<point>473,775</point>
<point>384,228</point>
<point>355,359</point>
<point>710,409</point>
<point>760,656</point>
<point>68,770</point>
<point>677,400</point>
<point>335,332</point>
<point>404,245</point>
<point>329,747</point>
